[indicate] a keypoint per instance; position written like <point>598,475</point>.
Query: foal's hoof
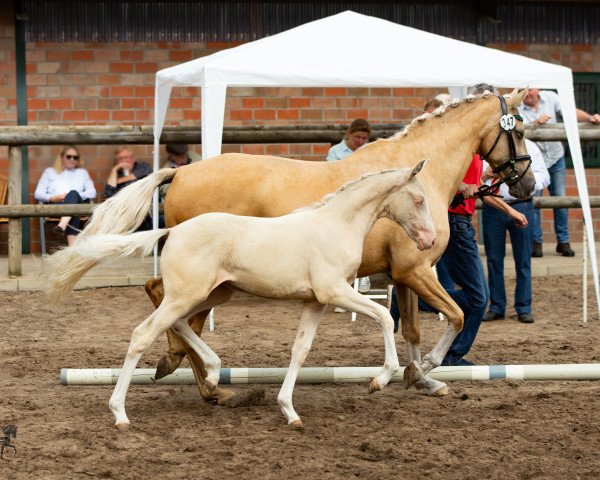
<point>412,374</point>
<point>374,386</point>
<point>297,425</point>
<point>122,426</point>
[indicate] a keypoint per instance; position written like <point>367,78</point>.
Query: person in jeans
<point>541,107</point>
<point>66,182</point>
<point>356,136</point>
<point>495,225</point>
<point>460,265</point>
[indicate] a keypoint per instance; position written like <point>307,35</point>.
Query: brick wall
<point>113,83</point>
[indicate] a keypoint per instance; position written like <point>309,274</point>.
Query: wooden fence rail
<point>142,135</point>
<point>16,137</point>
<point>37,210</point>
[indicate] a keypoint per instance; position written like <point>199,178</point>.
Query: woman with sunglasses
<point>66,182</point>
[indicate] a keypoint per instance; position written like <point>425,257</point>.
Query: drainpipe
<point>20,18</point>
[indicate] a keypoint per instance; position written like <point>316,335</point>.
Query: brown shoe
<point>565,249</point>
<point>491,316</point>
<point>537,250</point>
<point>525,318</point>
<point>58,231</point>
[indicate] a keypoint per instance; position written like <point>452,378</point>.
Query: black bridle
<point>507,126</point>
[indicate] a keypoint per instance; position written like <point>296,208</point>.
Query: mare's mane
<point>327,198</point>
<point>421,119</point>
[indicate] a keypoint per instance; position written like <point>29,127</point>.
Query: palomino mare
<point>207,258</point>
<point>257,185</point>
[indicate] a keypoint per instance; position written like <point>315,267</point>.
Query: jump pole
<point>229,376</point>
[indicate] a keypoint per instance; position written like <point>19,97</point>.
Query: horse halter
<point>507,125</point>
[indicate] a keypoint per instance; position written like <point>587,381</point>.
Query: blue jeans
<point>557,188</point>
<point>460,266</point>
<point>73,198</point>
<point>495,226</point>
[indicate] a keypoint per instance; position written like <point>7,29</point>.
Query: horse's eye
<point>519,133</point>
<point>418,201</point>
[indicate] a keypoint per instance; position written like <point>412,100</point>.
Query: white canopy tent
<point>326,53</point>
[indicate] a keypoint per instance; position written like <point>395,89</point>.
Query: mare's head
<point>503,145</point>
<point>408,207</point>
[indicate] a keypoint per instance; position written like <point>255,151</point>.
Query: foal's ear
<point>417,168</point>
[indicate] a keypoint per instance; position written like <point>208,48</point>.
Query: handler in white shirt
<point>495,225</point>
<point>66,182</point>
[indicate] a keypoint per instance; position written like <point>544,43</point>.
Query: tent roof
<point>351,49</point>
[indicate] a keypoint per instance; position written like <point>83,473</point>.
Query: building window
<point>587,97</point>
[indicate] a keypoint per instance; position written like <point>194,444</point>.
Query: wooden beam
<point>34,211</point>
<point>132,135</point>
<point>14,224</point>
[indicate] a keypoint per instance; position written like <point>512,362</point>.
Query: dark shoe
<point>525,318</point>
<point>491,316</point>
<point>565,249</point>
<point>59,231</point>
<point>537,250</point>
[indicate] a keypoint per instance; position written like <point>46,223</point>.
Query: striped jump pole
<point>229,376</point>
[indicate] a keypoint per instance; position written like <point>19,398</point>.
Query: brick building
<point>94,63</point>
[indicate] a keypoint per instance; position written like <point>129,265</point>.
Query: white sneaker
<point>364,284</point>
<point>339,310</point>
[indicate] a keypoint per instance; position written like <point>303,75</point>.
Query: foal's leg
<point>178,349</point>
<point>309,321</point>
<point>346,297</point>
<point>409,317</point>
<point>142,337</point>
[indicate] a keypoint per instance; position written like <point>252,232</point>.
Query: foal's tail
<point>64,268</point>
<point>126,211</point>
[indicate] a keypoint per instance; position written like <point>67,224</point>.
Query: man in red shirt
<point>460,265</point>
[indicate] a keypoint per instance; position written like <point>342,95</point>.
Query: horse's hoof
<point>374,386</point>
<point>122,426</point>
<point>163,368</point>
<point>412,374</point>
<point>432,388</point>
<point>297,425</point>
<point>442,392</point>
<point>226,398</point>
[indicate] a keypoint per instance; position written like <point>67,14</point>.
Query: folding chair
<point>3,194</point>
<point>43,221</point>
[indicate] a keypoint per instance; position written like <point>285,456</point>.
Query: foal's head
<point>408,207</point>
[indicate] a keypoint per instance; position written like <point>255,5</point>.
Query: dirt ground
<point>499,429</point>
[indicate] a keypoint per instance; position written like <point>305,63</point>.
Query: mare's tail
<point>126,211</point>
<point>64,268</point>
<point>120,214</point>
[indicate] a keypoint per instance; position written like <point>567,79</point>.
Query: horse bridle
<point>507,126</point>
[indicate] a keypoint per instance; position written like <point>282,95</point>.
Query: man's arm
<point>468,190</point>
<point>501,205</point>
<point>583,116</point>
